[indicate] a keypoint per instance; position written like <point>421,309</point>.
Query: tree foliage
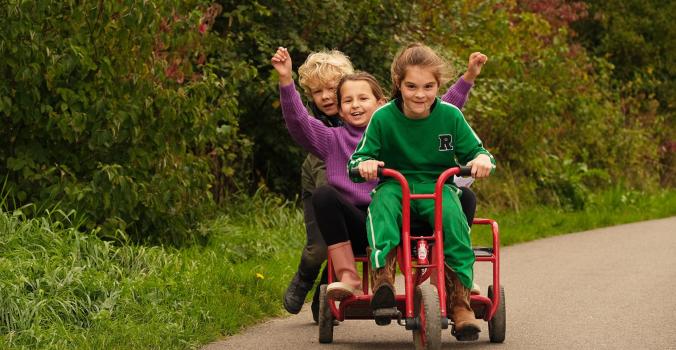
<point>543,104</point>
<point>367,31</point>
<point>111,108</point>
<point>639,39</point>
<point>144,115</point>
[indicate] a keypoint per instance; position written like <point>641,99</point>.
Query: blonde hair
<point>420,55</point>
<point>362,76</point>
<point>323,67</point>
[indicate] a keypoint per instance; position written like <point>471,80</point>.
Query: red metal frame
<point>492,304</point>
<point>412,279</point>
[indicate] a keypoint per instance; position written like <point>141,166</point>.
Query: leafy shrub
<point>370,32</point>
<point>547,109</point>
<point>114,109</point>
<point>144,115</point>
<point>637,38</point>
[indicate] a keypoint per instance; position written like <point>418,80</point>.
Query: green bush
<point>546,108</point>
<point>369,32</point>
<point>143,115</point>
<point>114,109</point>
<point>637,38</point>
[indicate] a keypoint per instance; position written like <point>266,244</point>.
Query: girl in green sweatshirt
<point>420,136</point>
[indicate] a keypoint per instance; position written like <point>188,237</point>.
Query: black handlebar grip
<point>354,172</point>
<point>465,171</point>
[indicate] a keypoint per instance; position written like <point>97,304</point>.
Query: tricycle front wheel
<point>426,310</point>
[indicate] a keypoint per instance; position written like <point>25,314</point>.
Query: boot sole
<point>289,309</point>
<point>291,305</point>
<point>469,332</point>
<point>339,291</point>
<point>339,294</point>
<point>383,297</point>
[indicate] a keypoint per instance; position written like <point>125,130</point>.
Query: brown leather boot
<point>465,325</point>
<point>349,282</point>
<point>382,283</point>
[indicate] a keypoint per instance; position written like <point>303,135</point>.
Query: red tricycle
<point>422,307</point>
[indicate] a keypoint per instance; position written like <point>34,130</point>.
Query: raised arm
<point>458,93</point>
<point>475,63</point>
<point>308,132</point>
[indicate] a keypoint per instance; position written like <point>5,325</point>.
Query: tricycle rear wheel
<point>497,325</point>
<point>325,317</point>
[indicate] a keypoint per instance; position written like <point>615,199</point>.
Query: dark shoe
<point>296,293</point>
<point>383,296</point>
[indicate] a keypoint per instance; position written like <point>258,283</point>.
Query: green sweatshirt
<point>421,149</point>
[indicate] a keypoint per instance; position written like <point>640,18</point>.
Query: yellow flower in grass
<point>260,276</point>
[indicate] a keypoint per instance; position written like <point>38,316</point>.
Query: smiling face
<point>418,89</point>
<point>324,97</point>
<point>319,75</point>
<point>358,102</point>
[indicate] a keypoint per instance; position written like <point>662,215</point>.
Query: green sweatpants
<point>383,225</point>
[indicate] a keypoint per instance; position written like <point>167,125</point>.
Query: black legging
<point>468,203</point>
<point>340,220</point>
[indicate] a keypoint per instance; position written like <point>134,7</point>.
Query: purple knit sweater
<point>335,145</point>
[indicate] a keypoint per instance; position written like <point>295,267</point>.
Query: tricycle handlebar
<point>464,171</point>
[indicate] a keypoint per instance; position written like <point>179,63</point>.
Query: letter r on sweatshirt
<point>445,142</point>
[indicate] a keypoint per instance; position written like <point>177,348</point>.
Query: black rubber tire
<point>325,317</point>
<point>426,307</point>
<point>497,326</point>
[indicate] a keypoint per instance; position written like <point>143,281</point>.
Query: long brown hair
<point>417,54</point>
<point>362,76</point>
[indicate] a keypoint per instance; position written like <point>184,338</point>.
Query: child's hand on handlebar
<point>481,166</point>
<point>368,169</point>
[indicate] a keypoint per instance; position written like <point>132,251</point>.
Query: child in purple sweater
<point>318,77</point>
<point>340,206</point>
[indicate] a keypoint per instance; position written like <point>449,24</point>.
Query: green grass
<point>63,289</point>
<point>613,207</point>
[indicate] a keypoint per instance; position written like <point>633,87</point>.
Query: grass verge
<point>612,207</point>
<point>62,289</point>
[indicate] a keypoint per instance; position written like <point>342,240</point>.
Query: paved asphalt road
<point>610,288</point>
